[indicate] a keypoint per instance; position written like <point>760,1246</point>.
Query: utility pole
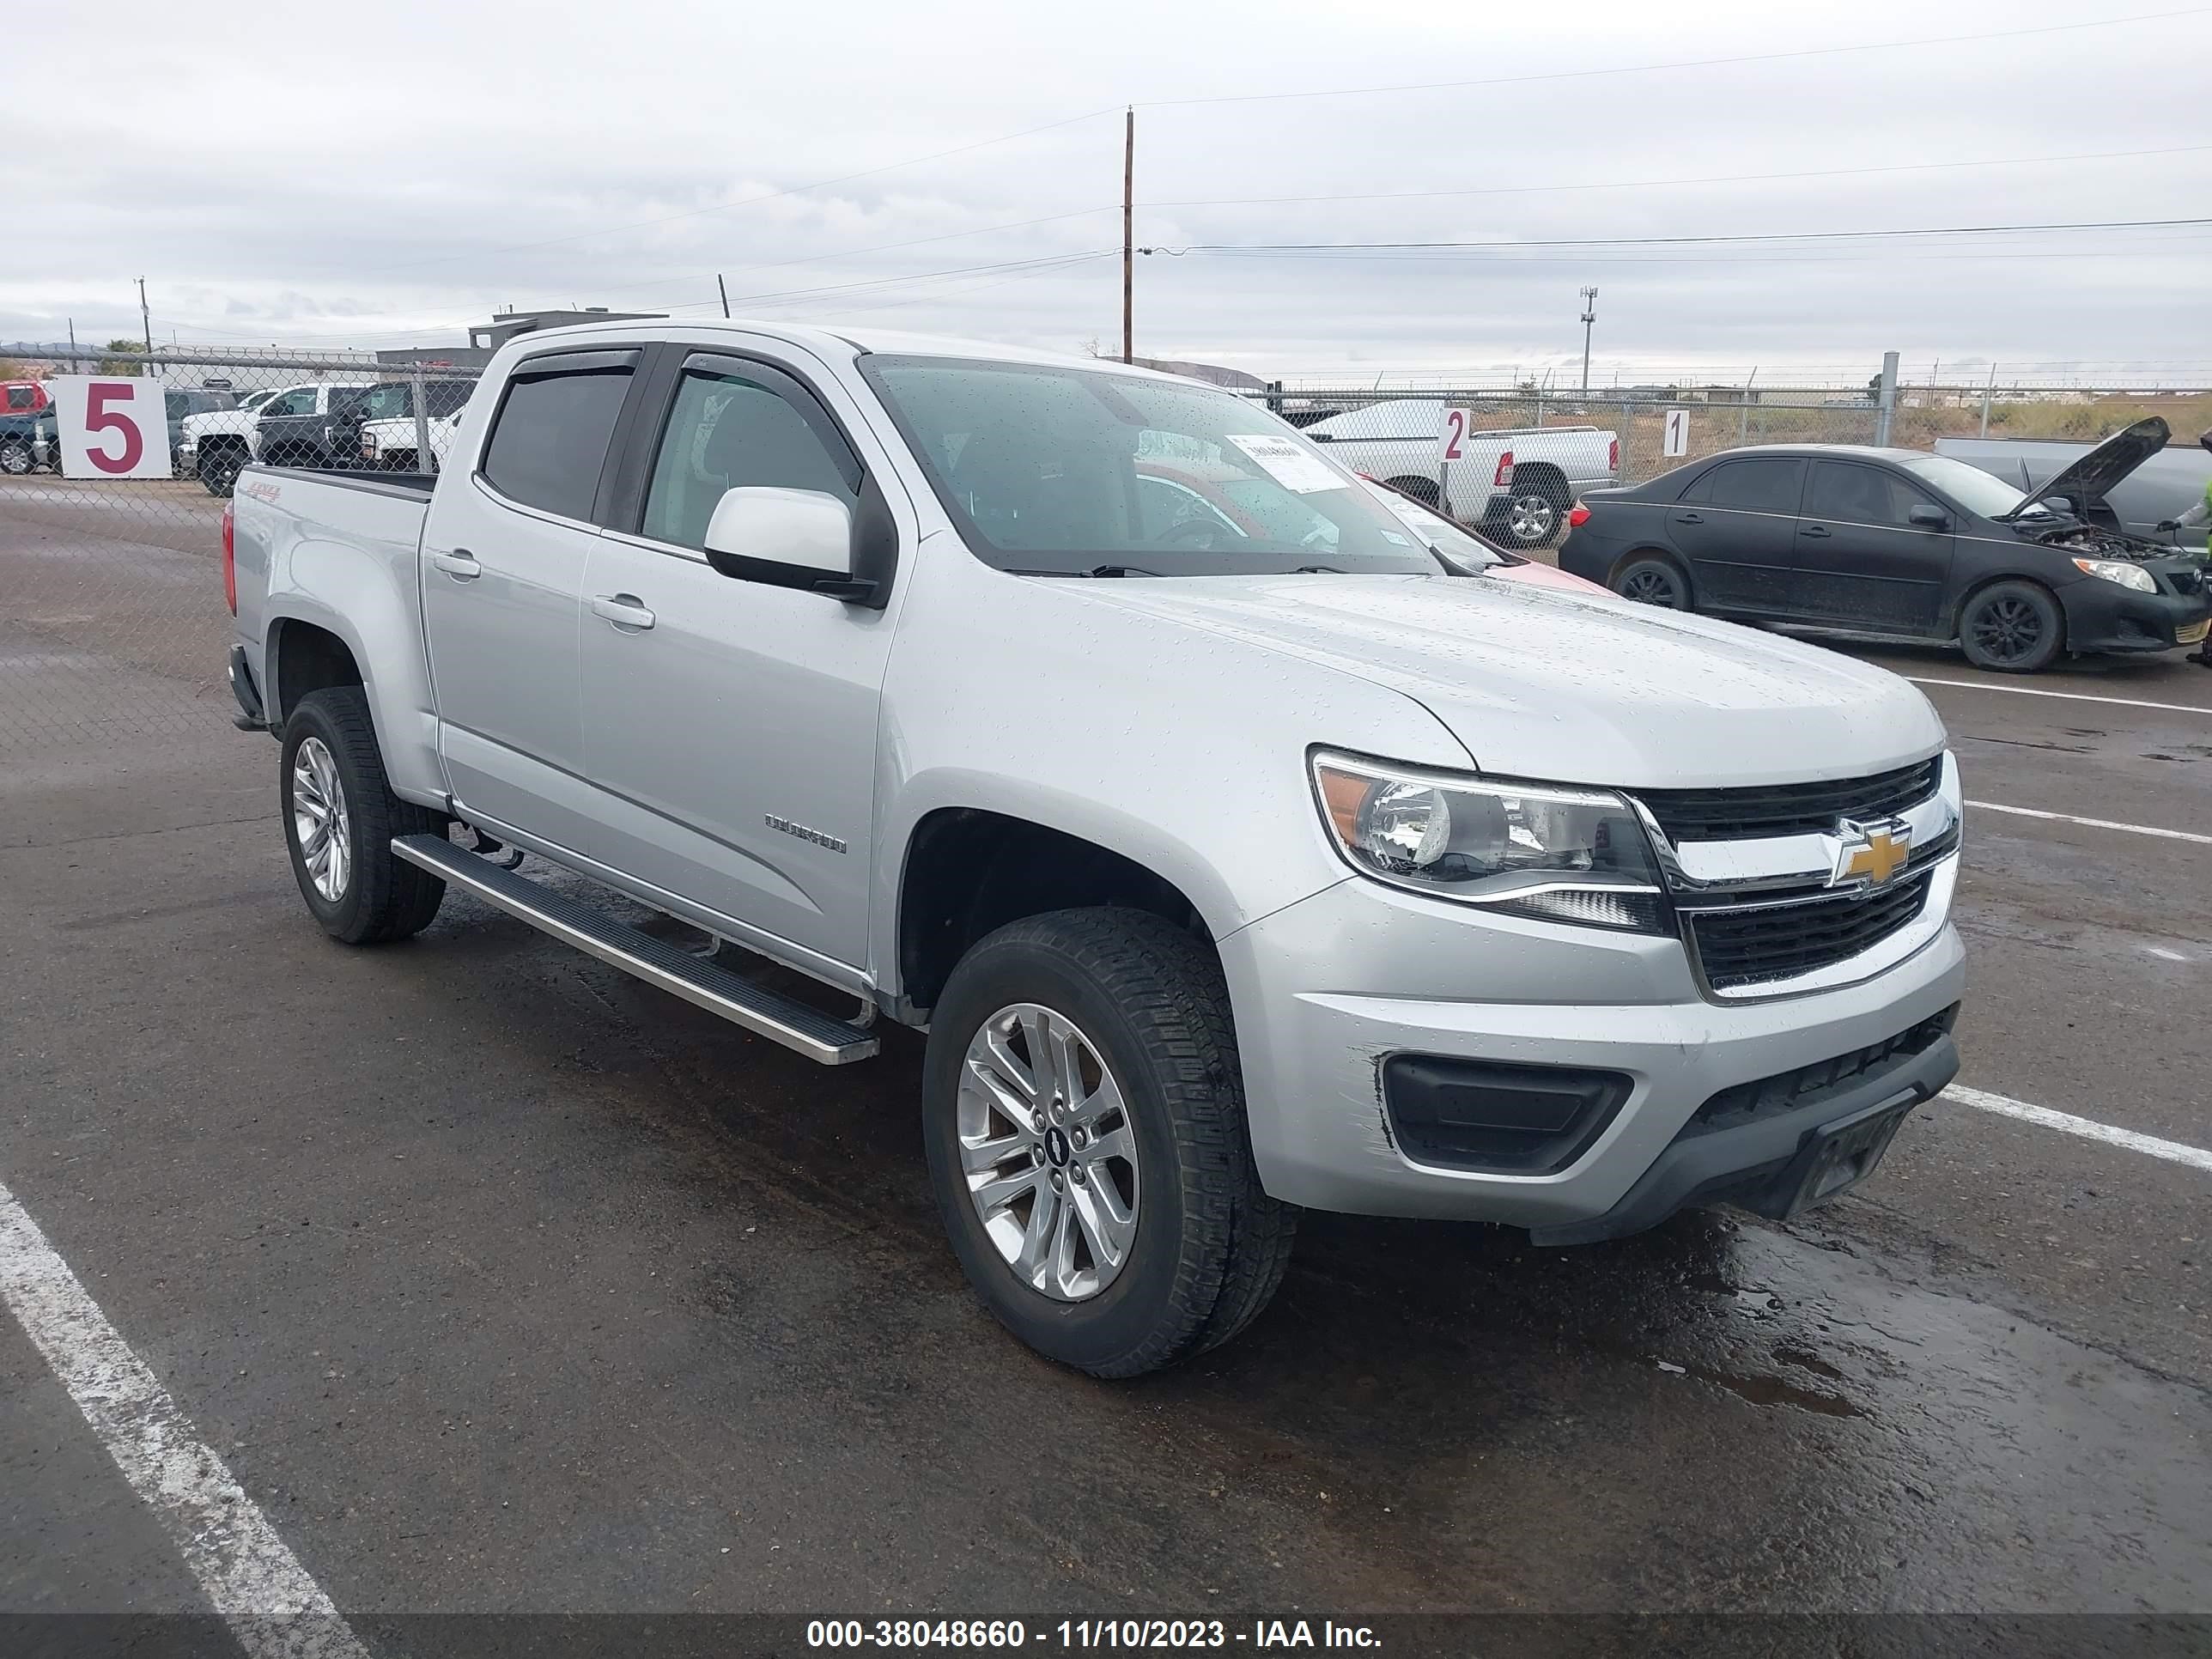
<point>723,288</point>
<point>146,322</point>
<point>1589,319</point>
<point>1129,233</point>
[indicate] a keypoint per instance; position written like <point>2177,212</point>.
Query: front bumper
<point>2104,617</point>
<point>1434,980</point>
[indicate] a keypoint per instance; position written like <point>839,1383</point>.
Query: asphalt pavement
<point>500,1283</point>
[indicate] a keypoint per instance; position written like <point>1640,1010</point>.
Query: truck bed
<point>408,486</point>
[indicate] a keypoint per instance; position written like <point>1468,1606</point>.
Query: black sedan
<point>1902,544</point>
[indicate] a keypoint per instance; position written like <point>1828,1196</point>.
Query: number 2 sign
<point>111,427</point>
<point>1451,436</point>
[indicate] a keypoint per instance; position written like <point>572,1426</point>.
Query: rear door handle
<point>623,611</point>
<point>460,564</point>
<point>1815,530</point>
<point>1689,518</point>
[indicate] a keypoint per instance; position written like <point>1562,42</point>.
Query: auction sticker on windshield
<point>1286,463</point>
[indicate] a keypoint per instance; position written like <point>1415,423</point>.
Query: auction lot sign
<point>111,426</point>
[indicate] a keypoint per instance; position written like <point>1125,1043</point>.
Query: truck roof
<point>848,342</point>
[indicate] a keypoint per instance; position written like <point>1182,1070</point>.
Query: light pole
<point>1589,317</point>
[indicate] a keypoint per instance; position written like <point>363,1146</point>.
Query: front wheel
<point>14,459</point>
<point>2012,628</point>
<point>340,815</point>
<point>1083,1114</point>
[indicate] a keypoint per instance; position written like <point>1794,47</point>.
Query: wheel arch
<point>968,871</point>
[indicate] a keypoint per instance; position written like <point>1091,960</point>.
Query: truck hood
<point>2098,473</point>
<point>1537,683</point>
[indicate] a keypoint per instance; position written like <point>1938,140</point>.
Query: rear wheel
<point>220,468</point>
<point>1083,1115</point>
<point>2012,628</point>
<point>1534,510</point>
<point>340,815</point>
<point>1651,579</point>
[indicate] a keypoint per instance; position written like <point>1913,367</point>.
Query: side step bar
<point>767,1013</point>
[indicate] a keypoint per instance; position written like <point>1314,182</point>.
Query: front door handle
<point>623,611</point>
<point>460,564</point>
<point>1689,518</point>
<point>1815,530</point>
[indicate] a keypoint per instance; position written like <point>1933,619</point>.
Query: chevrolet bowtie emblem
<point>1873,853</point>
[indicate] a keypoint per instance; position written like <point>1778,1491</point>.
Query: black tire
<point>1423,490</point>
<point>1534,511</point>
<point>220,468</point>
<point>14,459</point>
<point>2012,628</point>
<point>1210,1246</point>
<point>381,897</point>
<point>1654,579</point>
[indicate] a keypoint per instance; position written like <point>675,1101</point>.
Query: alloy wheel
<point>2008,629</point>
<point>1653,585</point>
<point>319,822</point>
<point>15,460</point>
<point>1049,1152</point>
<point>1531,519</point>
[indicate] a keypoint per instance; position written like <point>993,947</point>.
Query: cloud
<point>388,177</point>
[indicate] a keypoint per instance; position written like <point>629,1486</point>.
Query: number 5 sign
<point>111,427</point>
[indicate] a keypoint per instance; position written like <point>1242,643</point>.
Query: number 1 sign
<point>111,427</point>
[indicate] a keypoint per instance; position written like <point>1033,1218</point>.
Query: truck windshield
<point>1074,471</point>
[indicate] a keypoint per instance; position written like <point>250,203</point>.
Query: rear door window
<point>1768,484</point>
<point>549,443</point>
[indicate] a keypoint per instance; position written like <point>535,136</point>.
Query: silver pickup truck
<point>1235,857</point>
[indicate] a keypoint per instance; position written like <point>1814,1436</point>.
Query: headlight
<point>2120,571</point>
<point>1530,849</point>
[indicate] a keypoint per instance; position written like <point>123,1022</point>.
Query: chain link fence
<point>115,623</point>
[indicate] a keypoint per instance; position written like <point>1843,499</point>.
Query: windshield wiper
<point>1317,570</point>
<point>1094,570</point>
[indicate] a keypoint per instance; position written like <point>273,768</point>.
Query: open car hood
<point>2098,473</point>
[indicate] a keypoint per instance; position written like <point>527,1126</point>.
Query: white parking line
<point>2173,1151</point>
<point>2074,696</point>
<point>273,1608</point>
<point>2092,823</point>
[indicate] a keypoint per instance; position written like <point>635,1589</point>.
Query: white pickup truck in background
<point>1516,483</point>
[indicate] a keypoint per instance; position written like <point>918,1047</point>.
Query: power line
<point>1659,241</point>
<point>1680,63</point>
<point>1655,184</point>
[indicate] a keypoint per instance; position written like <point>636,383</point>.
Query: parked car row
<point>1900,543</point>
<point>319,424</point>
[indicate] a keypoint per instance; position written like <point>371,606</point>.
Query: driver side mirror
<point>786,538</point>
<point>1927,517</point>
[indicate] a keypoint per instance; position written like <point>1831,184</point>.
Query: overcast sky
<point>386,174</point>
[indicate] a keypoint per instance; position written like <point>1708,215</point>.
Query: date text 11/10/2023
<point>1085,1634</point>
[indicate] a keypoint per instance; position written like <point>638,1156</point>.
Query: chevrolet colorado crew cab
<point>1229,875</point>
